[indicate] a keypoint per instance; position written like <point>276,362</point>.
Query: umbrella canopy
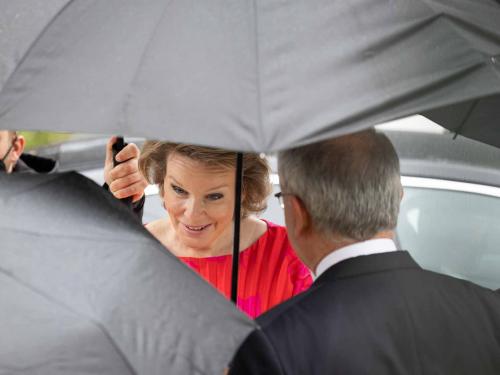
<point>86,290</point>
<point>259,75</point>
<point>21,22</point>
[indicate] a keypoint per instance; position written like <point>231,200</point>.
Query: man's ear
<point>302,219</point>
<point>17,148</point>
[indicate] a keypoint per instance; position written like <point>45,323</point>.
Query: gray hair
<point>350,185</point>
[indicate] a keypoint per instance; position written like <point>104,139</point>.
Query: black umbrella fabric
<point>478,117</point>
<point>259,75</point>
<point>86,290</point>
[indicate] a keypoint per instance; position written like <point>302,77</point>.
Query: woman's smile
<point>196,229</point>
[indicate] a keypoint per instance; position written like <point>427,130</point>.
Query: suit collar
<point>372,246</point>
<point>368,264</point>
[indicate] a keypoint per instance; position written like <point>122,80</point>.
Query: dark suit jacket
<point>378,314</point>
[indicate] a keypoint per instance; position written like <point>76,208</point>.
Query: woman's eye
<point>214,197</point>
<point>178,190</point>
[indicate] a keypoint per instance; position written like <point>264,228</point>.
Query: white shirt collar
<point>379,245</point>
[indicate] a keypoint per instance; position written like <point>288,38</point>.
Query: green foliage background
<point>37,139</point>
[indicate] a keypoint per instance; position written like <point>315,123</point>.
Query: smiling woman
<point>197,185</point>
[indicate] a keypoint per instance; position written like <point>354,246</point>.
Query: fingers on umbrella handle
<point>117,147</point>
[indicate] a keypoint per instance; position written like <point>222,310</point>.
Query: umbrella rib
<point>460,128</point>
<point>444,11</point>
<point>257,73</point>
<point>94,322</point>
<point>27,52</point>
<point>139,64</point>
<point>397,101</point>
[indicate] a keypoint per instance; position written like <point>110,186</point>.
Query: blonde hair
<point>256,185</point>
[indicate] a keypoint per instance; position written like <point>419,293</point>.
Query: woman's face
<point>199,201</point>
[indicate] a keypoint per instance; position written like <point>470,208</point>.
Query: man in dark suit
<point>371,309</point>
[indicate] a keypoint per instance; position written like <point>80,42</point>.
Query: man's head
<point>340,191</point>
<point>11,148</point>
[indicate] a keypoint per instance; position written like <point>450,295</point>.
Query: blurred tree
<point>37,139</point>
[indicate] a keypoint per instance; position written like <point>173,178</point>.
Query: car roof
<point>431,154</point>
<point>442,156</point>
<point>80,154</point>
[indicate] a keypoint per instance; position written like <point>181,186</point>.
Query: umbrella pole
<point>237,217</point>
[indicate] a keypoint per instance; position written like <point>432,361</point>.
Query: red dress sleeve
<point>270,272</point>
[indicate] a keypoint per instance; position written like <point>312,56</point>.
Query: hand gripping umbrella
<point>258,75</point>
<point>86,290</point>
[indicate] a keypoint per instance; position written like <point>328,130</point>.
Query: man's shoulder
<point>285,308</point>
<point>353,307</point>
<point>29,163</point>
<point>299,308</point>
<point>380,282</point>
<point>461,286</point>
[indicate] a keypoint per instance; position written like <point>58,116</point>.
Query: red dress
<point>269,272</point>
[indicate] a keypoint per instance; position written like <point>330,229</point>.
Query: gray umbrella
<point>86,290</point>
<point>259,75</point>
<point>248,75</point>
<point>21,22</point>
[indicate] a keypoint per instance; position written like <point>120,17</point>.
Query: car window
<point>454,233</point>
